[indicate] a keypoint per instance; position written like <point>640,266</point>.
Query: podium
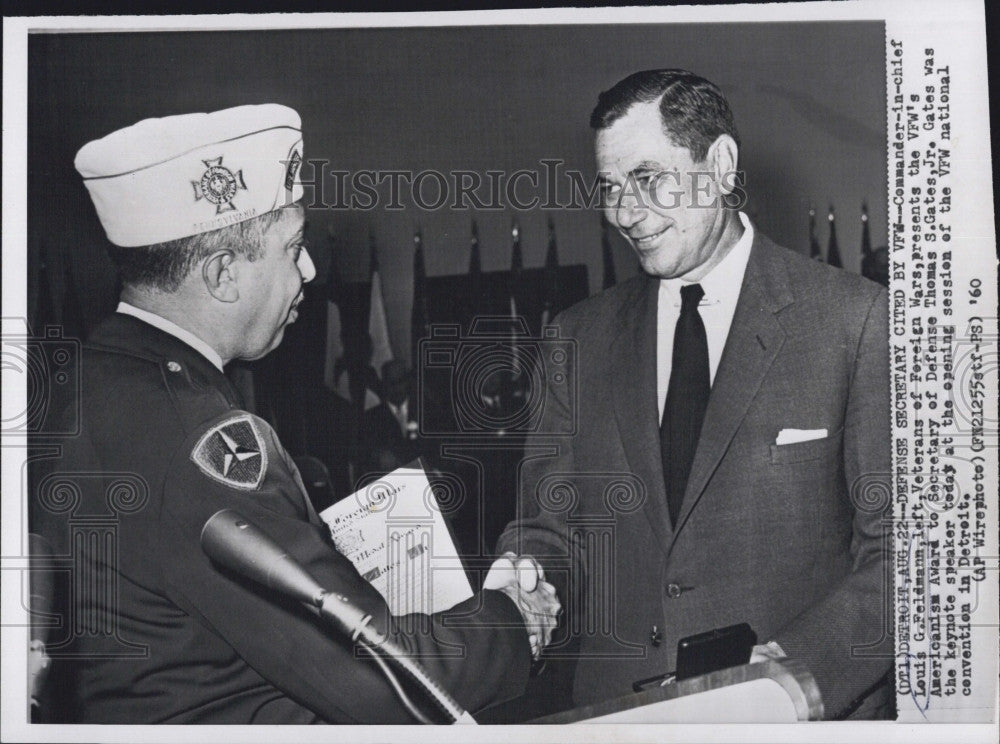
<point>767,692</point>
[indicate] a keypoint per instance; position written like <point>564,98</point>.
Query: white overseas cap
<point>164,179</point>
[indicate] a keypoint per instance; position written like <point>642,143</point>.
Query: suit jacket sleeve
<point>545,498</point>
<point>835,636</point>
<point>478,650</point>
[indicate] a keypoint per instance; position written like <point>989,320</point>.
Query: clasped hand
<point>523,580</point>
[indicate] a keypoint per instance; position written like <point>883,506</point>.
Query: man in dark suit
<point>731,415</point>
<point>206,230</point>
<point>389,430</point>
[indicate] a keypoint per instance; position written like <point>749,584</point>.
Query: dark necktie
<point>687,399</point>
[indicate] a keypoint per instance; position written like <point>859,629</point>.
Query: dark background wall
<point>808,98</point>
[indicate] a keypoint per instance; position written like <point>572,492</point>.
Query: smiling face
<point>669,207</point>
<point>271,286</point>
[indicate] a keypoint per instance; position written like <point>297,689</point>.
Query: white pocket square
<point>793,436</point>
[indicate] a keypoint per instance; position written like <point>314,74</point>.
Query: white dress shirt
<point>722,291</point>
<point>402,414</point>
<point>174,330</point>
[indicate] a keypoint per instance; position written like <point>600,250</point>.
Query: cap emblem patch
<point>219,185</point>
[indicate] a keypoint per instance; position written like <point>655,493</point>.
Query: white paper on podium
<point>393,531</point>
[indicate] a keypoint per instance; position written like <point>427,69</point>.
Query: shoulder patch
<point>233,453</point>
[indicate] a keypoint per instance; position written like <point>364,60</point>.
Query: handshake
<point>523,580</point>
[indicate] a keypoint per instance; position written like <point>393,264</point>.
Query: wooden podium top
<point>771,691</point>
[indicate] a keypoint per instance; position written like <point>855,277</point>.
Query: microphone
<point>236,543</point>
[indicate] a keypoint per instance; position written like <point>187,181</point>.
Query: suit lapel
<point>633,383</point>
<point>755,338</point>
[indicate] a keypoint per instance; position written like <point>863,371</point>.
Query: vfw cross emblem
<point>232,452</point>
<point>219,185</point>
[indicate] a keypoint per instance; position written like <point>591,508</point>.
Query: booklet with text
<point>396,536</point>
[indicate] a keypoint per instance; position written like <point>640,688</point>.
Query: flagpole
<point>814,249</point>
<point>832,250</point>
<point>514,280</point>
<point>551,277</point>
<point>418,312</point>
<point>867,257</point>
<point>474,299</point>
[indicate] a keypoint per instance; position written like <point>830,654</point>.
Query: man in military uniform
<point>201,211</point>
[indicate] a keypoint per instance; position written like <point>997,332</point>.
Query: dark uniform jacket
<point>790,538</point>
<point>155,632</point>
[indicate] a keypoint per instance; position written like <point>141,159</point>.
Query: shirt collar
<point>725,275</point>
<point>167,326</point>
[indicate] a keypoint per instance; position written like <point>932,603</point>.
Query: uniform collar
<point>123,333</point>
<point>167,326</point>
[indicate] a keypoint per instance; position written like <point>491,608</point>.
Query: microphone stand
<point>338,609</point>
<point>231,540</point>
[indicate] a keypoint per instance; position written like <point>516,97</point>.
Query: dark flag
<point>44,308</point>
<point>868,269</point>
<point>832,251</point>
<point>814,251</point>
<point>607,255</point>
<point>474,301</point>
<point>334,361</point>
<point>551,273</point>
<point>72,311</point>
<point>419,321</point>
<point>378,325</point>
<point>475,262</point>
